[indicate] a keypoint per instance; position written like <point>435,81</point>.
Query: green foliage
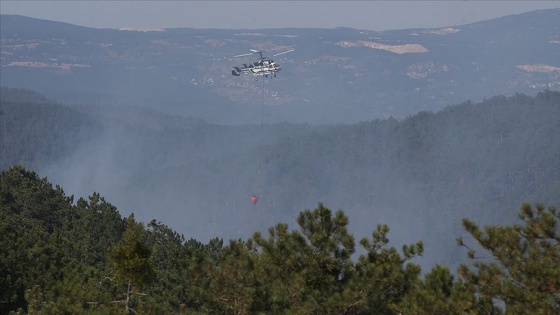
<point>35,132</point>
<point>308,268</point>
<point>131,258</point>
<point>169,258</point>
<point>523,269</point>
<point>383,277</point>
<point>60,258</point>
<point>439,293</point>
<point>131,263</point>
<point>310,271</point>
<point>51,250</point>
<point>100,227</point>
<point>35,245</point>
<point>232,286</point>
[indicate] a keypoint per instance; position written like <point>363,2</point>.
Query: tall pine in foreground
<point>132,266</point>
<point>305,271</point>
<point>524,270</point>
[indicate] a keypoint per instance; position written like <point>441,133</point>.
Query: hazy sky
<point>367,15</point>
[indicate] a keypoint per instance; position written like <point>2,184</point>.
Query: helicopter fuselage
<point>259,68</point>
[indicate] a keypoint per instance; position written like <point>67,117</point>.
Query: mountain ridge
<point>335,75</point>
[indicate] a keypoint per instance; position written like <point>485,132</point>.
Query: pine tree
<point>305,271</point>
<point>440,293</point>
<point>131,262</point>
<point>382,276</point>
<point>523,270</point>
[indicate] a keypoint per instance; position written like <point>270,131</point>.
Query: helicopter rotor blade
<point>254,51</point>
<point>285,52</point>
<point>244,55</point>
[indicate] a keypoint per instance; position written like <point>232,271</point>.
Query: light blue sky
<point>367,15</point>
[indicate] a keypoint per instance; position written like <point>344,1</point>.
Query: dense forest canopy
<point>83,257</point>
<point>421,175</point>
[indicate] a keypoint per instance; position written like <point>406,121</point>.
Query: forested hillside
<point>36,132</point>
<point>83,257</point>
<point>421,175</point>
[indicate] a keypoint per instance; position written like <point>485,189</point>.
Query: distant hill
<point>335,75</point>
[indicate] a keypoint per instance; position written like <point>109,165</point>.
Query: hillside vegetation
<point>61,257</point>
<point>420,175</point>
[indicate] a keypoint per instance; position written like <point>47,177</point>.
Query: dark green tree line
<point>61,257</point>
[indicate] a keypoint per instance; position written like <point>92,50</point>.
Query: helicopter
<point>262,67</point>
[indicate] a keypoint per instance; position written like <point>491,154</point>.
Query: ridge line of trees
<point>61,257</point>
